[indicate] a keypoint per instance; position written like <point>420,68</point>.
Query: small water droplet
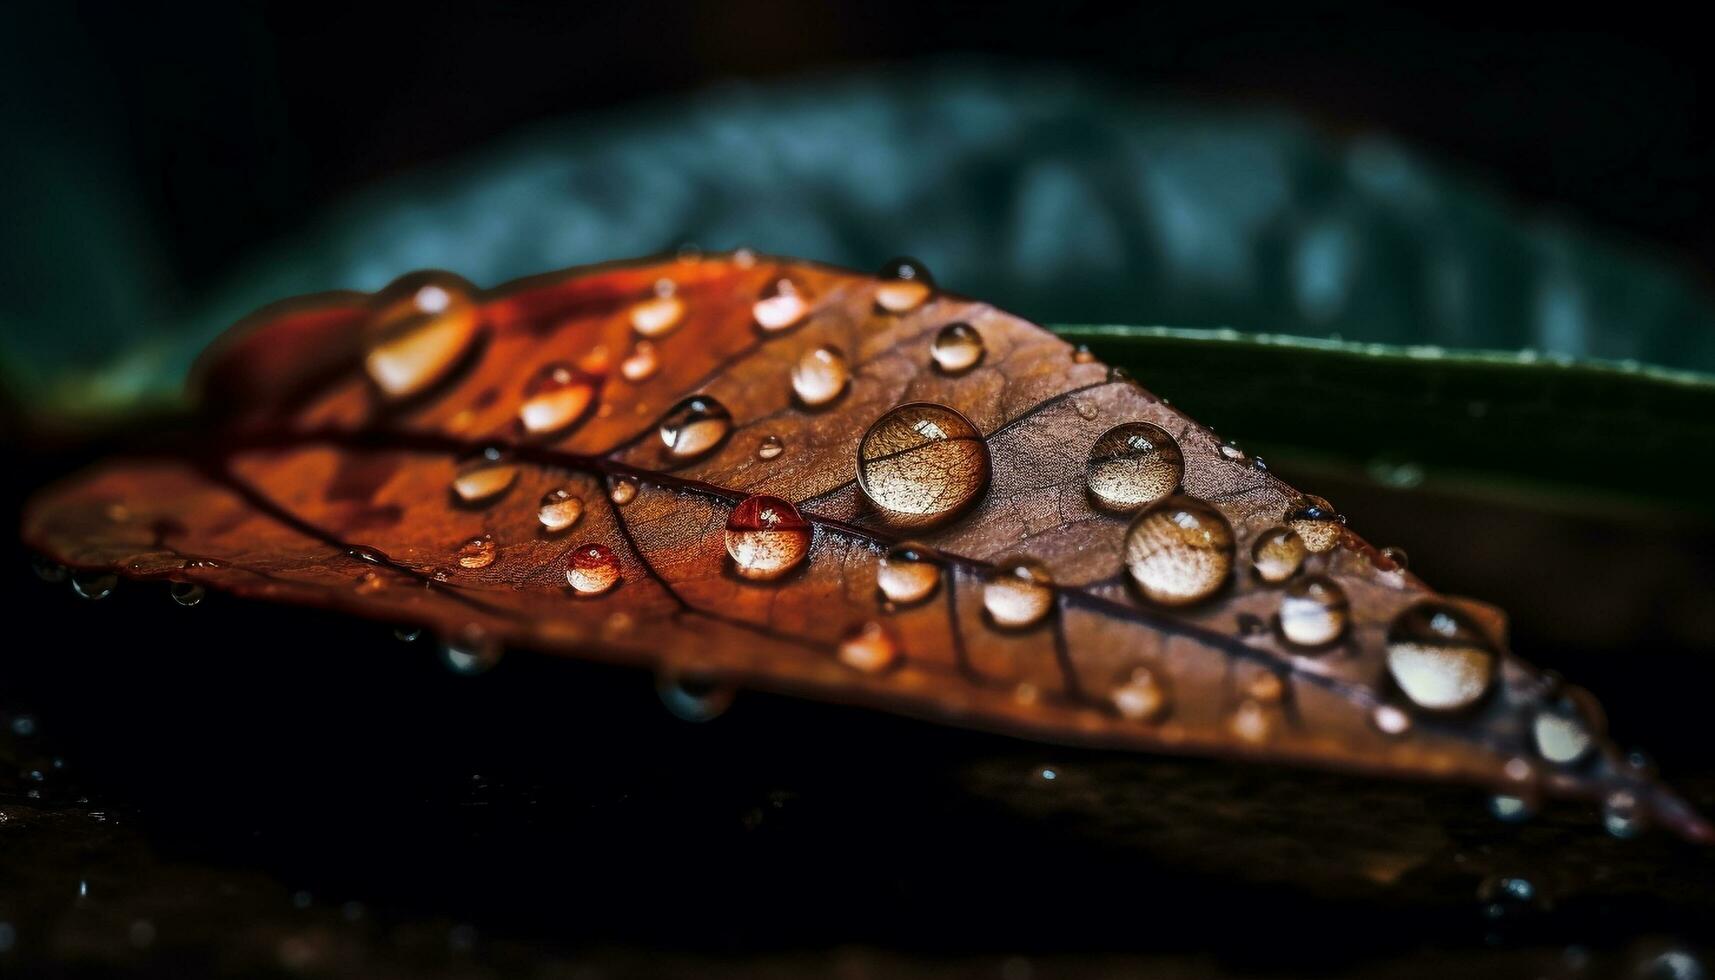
<point>909,572</point>
<point>782,304</point>
<point>369,583</point>
<point>1561,734</point>
<point>1396,557</point>
<point>1250,722</point>
<point>423,324</point>
<point>1117,373</point>
<point>622,491</point>
<point>596,361</point>
<point>1179,551</point>
<point>868,647</point>
<point>1132,465</point>
<point>641,364</point>
<point>1266,688</point>
<point>559,510</point>
<point>905,285</point>
<point>766,537</point>
<point>556,398</point>
<point>1622,817</point>
<point>1231,450</point>
<point>478,552</point>
<point>1258,465</point>
<point>484,477</point>
<point>957,348</point>
<point>1389,720</point>
<point>770,447</point>
<point>93,584</point>
<point>820,376</point>
<point>1317,523</point>
<point>1088,411</point>
<point>1278,554</point>
<point>365,553</point>
<point>1511,809</point>
<point>471,650</point>
<point>591,569</point>
<point>922,464</point>
<point>1439,658</point>
<point>744,258</point>
<point>48,571</point>
<point>186,593</point>
<point>1313,612</point>
<point>1082,354</point>
<point>693,699</point>
<point>1142,697</point>
<point>407,634</point>
<point>1018,593</point>
<point>659,313</point>
<point>694,426</point>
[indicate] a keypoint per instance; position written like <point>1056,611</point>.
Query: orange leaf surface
<point>769,473</point>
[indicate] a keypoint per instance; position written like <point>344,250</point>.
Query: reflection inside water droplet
<point>957,348</point>
<point>820,376</point>
<point>1278,554</point>
<point>869,648</point>
<point>483,478</point>
<point>470,651</point>
<point>1317,523</point>
<point>905,284</point>
<point>1133,464</point>
<point>623,490</point>
<point>921,464</point>
<point>93,584</point>
<point>766,537</point>
<point>1439,658</point>
<point>591,569</point>
<point>660,313</point>
<point>423,325</point>
<point>559,510</point>
<point>783,303</point>
<point>1313,612</point>
<point>556,397</point>
<point>1018,593</point>
<point>908,572</point>
<point>187,593</point>
<point>695,426</point>
<point>770,447</point>
<point>478,552</point>
<point>1179,551</point>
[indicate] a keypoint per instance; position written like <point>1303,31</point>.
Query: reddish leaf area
<point>658,463</point>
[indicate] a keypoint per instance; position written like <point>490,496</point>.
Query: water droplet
<point>1231,450</point>
<point>1088,411</point>
<point>48,571</point>
<point>909,572</point>
<point>783,304</point>
<point>1438,658</point>
<point>1389,720</point>
<point>1132,465</point>
<point>1313,612</point>
<point>471,651</point>
<point>478,552</point>
<point>770,447</point>
<point>1278,554</point>
<point>559,510</point>
<point>365,553</point>
<point>641,364</point>
<point>186,593</point>
<point>820,376</point>
<point>483,478</point>
<point>591,569</point>
<point>744,258</point>
<point>905,284</point>
<point>623,490</point>
<point>556,397</point>
<point>1142,697</point>
<point>93,585</point>
<point>921,464</point>
<point>1179,551</point>
<point>1266,688</point>
<point>407,634</point>
<point>957,348</point>
<point>1561,734</point>
<point>1317,523</point>
<point>596,361</point>
<point>1082,354</point>
<point>766,537</point>
<point>424,325</point>
<point>660,313</point>
<point>369,582</point>
<point>1117,373</point>
<point>1250,722</point>
<point>1511,809</point>
<point>695,426</point>
<point>1622,817</point>
<point>1396,557</point>
<point>869,648</point>
<point>693,699</point>
<point>1018,593</point>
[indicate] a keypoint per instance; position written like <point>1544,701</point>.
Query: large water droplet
<point>819,376</point>
<point>1561,734</point>
<point>1018,593</point>
<point>905,284</point>
<point>1439,658</point>
<point>693,699</point>
<point>471,650</point>
<point>1143,697</point>
<point>766,537</point>
<point>423,325</point>
<point>641,364</point>
<point>93,584</point>
<point>921,464</point>
<point>695,426</point>
<point>1179,551</point>
<point>555,398</point>
<point>770,447</point>
<point>1132,465</point>
<point>591,569</point>
<point>908,573</point>
<point>1317,523</point>
<point>1278,554</point>
<point>782,304</point>
<point>484,477</point>
<point>187,593</point>
<point>559,510</point>
<point>478,552</point>
<point>869,648</point>
<point>957,348</point>
<point>660,313</point>
<point>1313,612</point>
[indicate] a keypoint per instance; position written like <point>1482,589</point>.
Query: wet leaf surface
<point>394,457</point>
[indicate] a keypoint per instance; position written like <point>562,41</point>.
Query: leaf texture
<point>658,463</point>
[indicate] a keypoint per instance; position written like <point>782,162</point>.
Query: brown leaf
<point>770,473</point>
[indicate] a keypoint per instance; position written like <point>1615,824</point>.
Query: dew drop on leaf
<point>1250,722</point>
<point>471,650</point>
<point>478,552</point>
<point>1396,556</point>
<point>556,396</point>
<point>695,426</point>
<point>766,537</point>
<point>48,571</point>
<point>660,313</point>
<point>1313,612</point>
<point>820,376</point>
<point>559,510</point>
<point>1132,465</point>
<point>921,464</point>
<point>186,593</point>
<point>868,647</point>
<point>591,569</point>
<point>622,491</point>
<point>1143,697</point>
<point>957,348</point>
<point>1317,523</point>
<point>484,477</point>
<point>908,573</point>
<point>1561,736</point>
<point>782,304</point>
<point>1179,551</point>
<point>1278,554</point>
<point>693,699</point>
<point>423,324</point>
<point>93,585</point>
<point>1018,593</point>
<point>1390,720</point>
<point>1438,658</point>
<point>905,284</point>
<point>641,363</point>
<point>770,447</point>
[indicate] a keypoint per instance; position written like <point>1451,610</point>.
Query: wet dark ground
<point>240,790</point>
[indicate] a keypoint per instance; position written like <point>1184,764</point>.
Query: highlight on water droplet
<point>1313,612</point>
<point>591,569</point>
<point>1561,734</point>
<point>1278,554</point>
<point>1231,450</point>
<point>1018,593</point>
<point>1250,722</point>
<point>782,304</point>
<point>766,537</point>
<point>470,650</point>
<point>660,313</point>
<point>692,698</point>
<point>1396,557</point>
<point>868,647</point>
<point>905,285</point>
<point>770,447</point>
<point>1439,658</point>
<point>694,426</point>
<point>423,325</point>
<point>957,348</point>
<point>921,464</point>
<point>187,593</point>
<point>1132,465</point>
<point>1143,696</point>
<point>478,552</point>
<point>820,376</point>
<point>1389,720</point>
<point>559,510</point>
<point>484,477</point>
<point>622,490</point>
<point>557,396</point>
<point>93,584</point>
<point>1318,524</point>
<point>640,364</point>
<point>908,572</point>
<point>1179,551</point>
